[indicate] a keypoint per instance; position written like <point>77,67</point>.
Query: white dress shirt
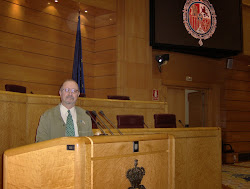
<point>64,114</point>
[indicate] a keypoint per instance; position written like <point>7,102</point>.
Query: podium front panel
<point>112,161</point>
<point>91,162</point>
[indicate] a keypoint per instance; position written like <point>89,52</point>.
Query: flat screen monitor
<point>208,28</point>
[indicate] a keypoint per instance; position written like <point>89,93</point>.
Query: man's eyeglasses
<point>67,90</point>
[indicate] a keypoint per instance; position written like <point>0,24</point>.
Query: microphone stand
<point>97,123</point>
<point>107,119</point>
<point>94,112</point>
<point>145,124</point>
<point>181,123</point>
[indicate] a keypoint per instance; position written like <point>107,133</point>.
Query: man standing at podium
<point>65,119</point>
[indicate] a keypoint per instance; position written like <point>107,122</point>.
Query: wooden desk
<point>95,163</point>
<point>197,155</point>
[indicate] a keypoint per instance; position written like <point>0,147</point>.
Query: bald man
<point>54,122</point>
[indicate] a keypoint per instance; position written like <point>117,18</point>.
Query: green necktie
<point>70,131</point>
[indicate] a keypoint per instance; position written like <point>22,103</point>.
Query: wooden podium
<point>92,162</point>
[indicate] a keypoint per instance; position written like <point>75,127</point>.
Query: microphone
<point>181,123</point>
<point>107,119</point>
<point>97,123</point>
<point>102,122</point>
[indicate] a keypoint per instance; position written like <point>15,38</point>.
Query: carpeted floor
<point>236,175</point>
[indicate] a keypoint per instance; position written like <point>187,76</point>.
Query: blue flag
<point>77,73</point>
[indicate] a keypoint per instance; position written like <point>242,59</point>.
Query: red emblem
<point>199,19</point>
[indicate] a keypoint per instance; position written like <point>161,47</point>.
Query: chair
<point>117,97</point>
<point>165,120</point>
<point>15,88</point>
<point>130,121</point>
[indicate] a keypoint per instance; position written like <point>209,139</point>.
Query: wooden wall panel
<point>236,136</point>
<point>105,56</point>
<point>44,19</point>
<point>235,106</point>
<point>134,53</point>
<point>105,69</point>
<point>105,20</point>
<point>89,83</point>
<point>39,32</point>
<point>137,94</point>
<point>237,85</point>
<point>105,82</point>
<point>235,126</point>
<point>87,57</point>
<point>238,75</point>
<point>18,73</point>
<point>105,32</point>
<point>105,44</point>
<point>236,116</point>
<point>139,71</point>
<point>105,4</point>
<point>88,70</point>
<point>201,69</point>
<point>241,147</point>
<point>135,13</point>
<point>108,56</point>
<point>34,60</point>
<point>236,95</point>
<point>101,93</point>
<point>9,40</point>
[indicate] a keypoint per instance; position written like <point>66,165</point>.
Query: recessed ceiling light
<point>86,11</point>
<point>56,1</point>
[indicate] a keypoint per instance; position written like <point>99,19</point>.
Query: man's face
<point>69,93</point>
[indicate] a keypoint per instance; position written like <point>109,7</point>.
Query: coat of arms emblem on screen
<point>199,19</point>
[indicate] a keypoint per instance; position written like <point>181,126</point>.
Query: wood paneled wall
<point>105,57</point>
<point>134,53</point>
<point>235,107</point>
<point>37,47</point>
<point>38,41</point>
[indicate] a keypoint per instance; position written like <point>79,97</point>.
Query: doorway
<point>196,105</point>
<point>189,106</point>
